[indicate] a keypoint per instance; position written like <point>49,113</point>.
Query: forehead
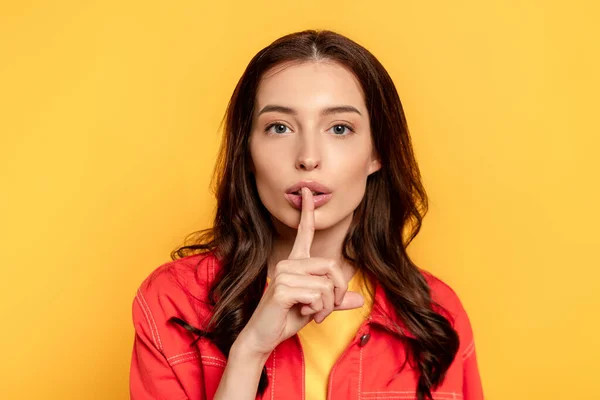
<point>310,86</point>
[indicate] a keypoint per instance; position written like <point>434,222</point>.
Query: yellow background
<point>109,118</point>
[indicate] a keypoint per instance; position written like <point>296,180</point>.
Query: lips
<point>321,194</point>
<point>299,193</point>
<point>314,186</point>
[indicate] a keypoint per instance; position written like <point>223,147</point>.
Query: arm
<point>242,374</point>
<point>151,376</point>
<point>452,307</point>
<point>472,389</point>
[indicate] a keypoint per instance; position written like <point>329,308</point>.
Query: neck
<point>327,243</point>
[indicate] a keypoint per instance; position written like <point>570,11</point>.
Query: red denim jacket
<point>165,366</point>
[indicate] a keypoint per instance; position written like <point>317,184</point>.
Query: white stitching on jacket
<point>410,395</point>
<point>211,360</point>
<point>213,364</point>
<point>273,377</point>
<point>215,359</point>
<point>182,354</point>
<point>147,320</point>
<point>360,363</point>
<point>160,347</point>
<point>182,360</point>
<point>469,350</point>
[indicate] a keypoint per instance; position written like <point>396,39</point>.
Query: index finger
<point>306,228</point>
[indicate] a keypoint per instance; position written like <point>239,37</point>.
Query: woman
<point>303,288</point>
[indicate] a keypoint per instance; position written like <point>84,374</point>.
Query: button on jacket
<point>165,366</point>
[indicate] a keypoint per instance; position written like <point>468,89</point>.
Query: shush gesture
<point>303,288</point>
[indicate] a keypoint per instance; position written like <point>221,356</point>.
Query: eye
<point>341,129</point>
<point>276,128</point>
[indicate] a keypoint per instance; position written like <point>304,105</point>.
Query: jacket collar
<point>383,312</point>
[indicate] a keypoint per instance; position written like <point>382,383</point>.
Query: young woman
<point>303,288</point>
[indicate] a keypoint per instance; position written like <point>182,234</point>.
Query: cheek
<point>351,167</point>
<point>267,170</point>
<point>351,179</point>
<point>267,154</point>
<point>265,176</point>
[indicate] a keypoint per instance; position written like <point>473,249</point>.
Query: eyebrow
<point>326,111</point>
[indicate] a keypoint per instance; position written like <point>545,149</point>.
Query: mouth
<point>314,193</point>
<point>315,187</point>
<point>319,200</point>
<point>321,194</point>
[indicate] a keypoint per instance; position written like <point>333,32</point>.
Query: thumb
<point>350,301</point>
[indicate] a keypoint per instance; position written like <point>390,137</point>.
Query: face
<point>311,124</point>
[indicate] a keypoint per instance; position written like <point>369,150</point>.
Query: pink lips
<point>295,198</point>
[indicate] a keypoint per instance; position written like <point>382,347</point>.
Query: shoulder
<point>447,302</point>
<point>179,289</point>
<point>193,273</point>
<point>443,295</point>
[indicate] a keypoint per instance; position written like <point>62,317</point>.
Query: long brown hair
<point>386,221</point>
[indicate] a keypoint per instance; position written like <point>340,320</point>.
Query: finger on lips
<point>306,227</point>
<point>333,289</point>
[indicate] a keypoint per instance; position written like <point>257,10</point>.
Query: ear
<point>374,165</point>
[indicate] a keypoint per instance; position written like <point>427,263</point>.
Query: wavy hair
<point>386,221</point>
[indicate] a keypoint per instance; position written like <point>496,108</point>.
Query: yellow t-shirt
<point>324,343</point>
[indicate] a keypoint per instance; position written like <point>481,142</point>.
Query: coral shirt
<point>165,366</point>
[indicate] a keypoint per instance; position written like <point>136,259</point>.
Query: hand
<point>302,289</point>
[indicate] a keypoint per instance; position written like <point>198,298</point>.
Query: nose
<point>308,152</point>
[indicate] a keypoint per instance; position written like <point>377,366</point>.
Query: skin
<point>313,146</point>
<point>308,279</point>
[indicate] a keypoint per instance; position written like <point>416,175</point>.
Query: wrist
<point>242,373</point>
<point>244,351</point>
